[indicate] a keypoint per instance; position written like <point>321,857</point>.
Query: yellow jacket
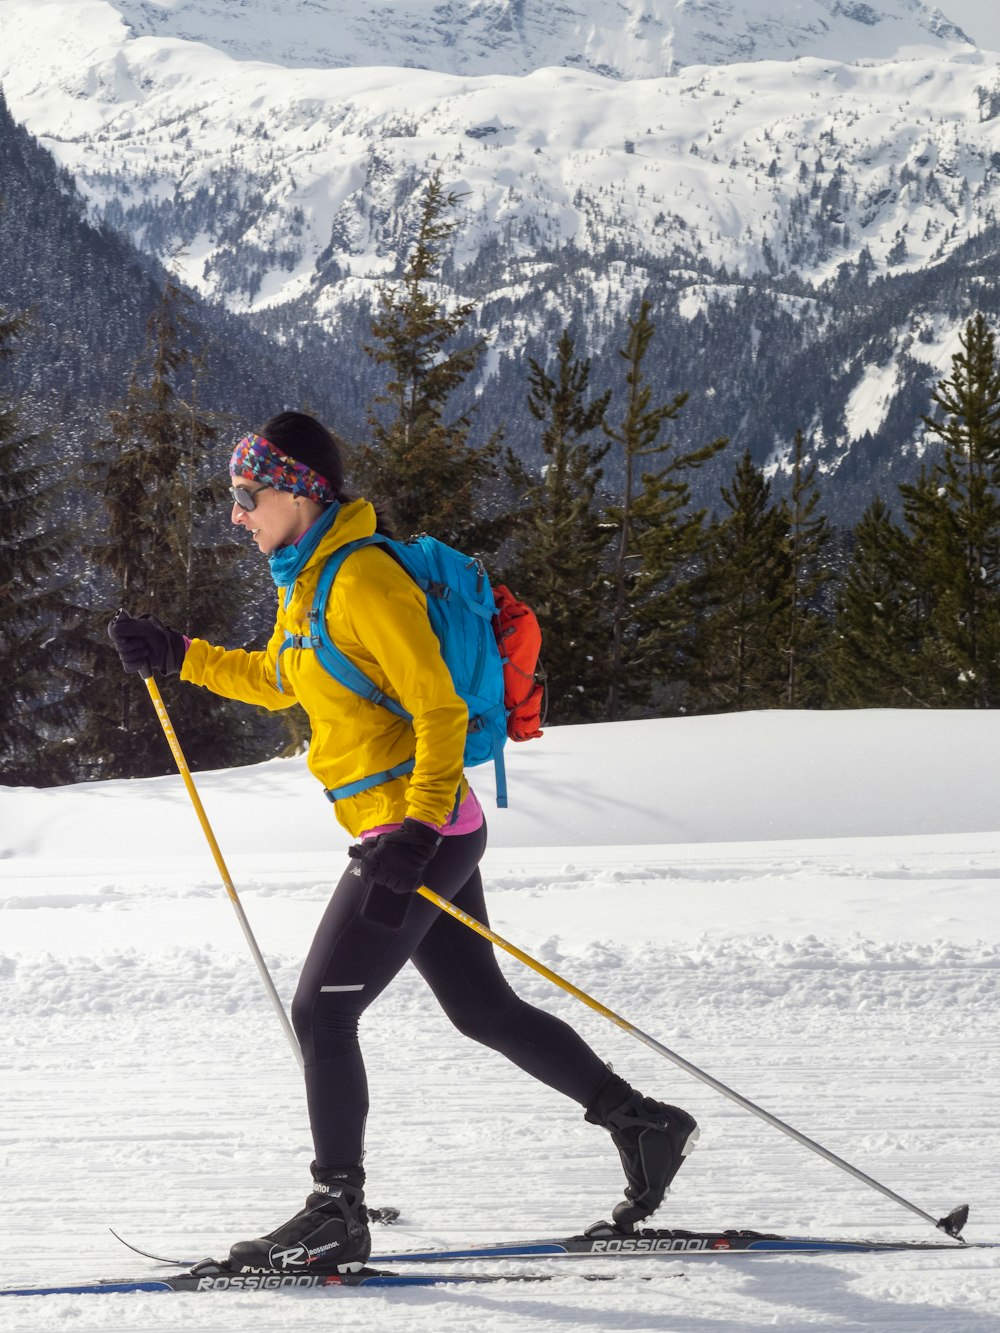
<point>377,616</point>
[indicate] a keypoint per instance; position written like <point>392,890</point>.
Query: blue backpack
<point>461,608</point>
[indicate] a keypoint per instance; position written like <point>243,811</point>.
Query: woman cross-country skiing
<point>424,827</point>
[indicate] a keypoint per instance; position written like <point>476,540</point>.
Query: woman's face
<point>277,519</point>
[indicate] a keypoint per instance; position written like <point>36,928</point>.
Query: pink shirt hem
<point>468,819</point>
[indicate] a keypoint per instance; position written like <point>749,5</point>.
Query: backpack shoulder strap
<point>330,656</point>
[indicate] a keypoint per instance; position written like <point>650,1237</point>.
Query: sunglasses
<point>244,498</point>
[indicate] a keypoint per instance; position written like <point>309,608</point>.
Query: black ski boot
<point>652,1140</point>
<point>329,1235</point>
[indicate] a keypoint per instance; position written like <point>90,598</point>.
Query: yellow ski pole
<point>227,880</point>
<point>952,1224</point>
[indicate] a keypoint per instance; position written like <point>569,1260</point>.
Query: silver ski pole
<point>952,1224</point>
<point>227,880</point>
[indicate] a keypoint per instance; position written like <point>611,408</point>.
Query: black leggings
<point>353,959</point>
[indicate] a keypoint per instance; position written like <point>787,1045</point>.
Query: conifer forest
<point>669,578</point>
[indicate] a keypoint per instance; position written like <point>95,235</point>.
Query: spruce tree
<point>807,632</point>
<point>163,551</point>
<point>560,543</point>
<point>736,660</point>
<point>954,522</point>
<point>875,653</point>
<point>34,603</point>
<point>656,534</point>
<point>418,463</point>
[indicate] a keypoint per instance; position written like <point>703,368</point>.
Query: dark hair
<point>308,441</point>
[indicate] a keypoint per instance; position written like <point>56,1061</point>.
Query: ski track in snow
<point>851,986</point>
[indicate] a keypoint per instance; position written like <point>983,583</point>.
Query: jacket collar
<point>335,528</point>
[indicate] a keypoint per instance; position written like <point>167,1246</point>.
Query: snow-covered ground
<point>805,905</point>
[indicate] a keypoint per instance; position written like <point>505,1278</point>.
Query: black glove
<point>397,860</point>
<point>145,642</point>
<point>392,867</point>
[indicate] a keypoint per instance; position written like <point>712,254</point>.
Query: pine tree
<point>736,660</point>
<point>560,543</point>
<point>808,626</point>
<point>34,707</point>
<point>656,534</point>
<point>163,552</point>
<point>875,652</point>
<point>418,463</point>
<point>954,522</point>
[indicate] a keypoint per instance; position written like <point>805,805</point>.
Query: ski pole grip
<point>146,672</point>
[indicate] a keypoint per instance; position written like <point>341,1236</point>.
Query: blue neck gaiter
<point>288,562</point>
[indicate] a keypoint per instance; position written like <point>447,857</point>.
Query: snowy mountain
<point>90,294</point>
<point>628,39</point>
<point>602,153</point>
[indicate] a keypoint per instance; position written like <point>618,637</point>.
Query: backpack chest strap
<point>340,666</point>
<point>318,640</point>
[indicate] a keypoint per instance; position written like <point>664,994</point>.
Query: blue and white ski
<point>603,1241</point>
<point>279,1282</point>
<point>606,1242</point>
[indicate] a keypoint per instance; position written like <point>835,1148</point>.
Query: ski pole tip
<point>954,1223</point>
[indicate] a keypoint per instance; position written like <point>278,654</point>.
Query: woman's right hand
<point>146,644</point>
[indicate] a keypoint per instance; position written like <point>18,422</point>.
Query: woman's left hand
<point>398,860</point>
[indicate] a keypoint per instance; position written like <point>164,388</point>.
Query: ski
<point>601,1241</point>
<point>282,1282</point>
<point>604,1241</point>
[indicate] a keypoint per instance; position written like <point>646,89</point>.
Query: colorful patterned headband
<point>257,457</point>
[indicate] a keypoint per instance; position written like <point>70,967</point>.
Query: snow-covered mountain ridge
<point>180,144</point>
<point>290,192</point>
<point>625,39</point>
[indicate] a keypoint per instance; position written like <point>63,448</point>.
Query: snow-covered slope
<point>713,879</point>
<point>626,39</point>
<point>774,775</point>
